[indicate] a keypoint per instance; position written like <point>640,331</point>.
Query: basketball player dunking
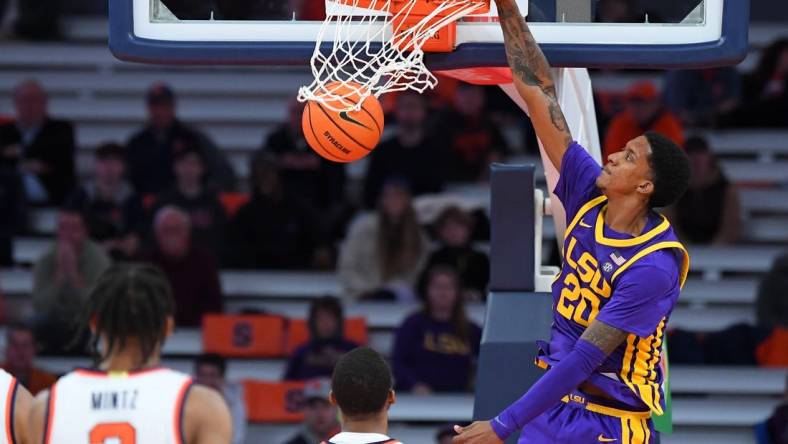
<point>362,388</point>
<point>128,398</point>
<point>621,276</point>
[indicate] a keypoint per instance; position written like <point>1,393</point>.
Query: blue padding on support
<point>729,50</point>
<point>512,233</point>
<point>514,322</point>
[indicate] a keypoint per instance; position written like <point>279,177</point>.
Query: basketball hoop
<point>378,46</point>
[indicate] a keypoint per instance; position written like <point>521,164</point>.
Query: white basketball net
<point>366,56</point>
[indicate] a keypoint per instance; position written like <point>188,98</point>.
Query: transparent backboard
<point>584,33</point>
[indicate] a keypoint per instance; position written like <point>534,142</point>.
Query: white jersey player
<point>129,399</point>
<point>15,402</point>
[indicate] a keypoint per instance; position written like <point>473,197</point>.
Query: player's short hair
<point>670,170</point>
<point>129,301</point>
<point>361,382</point>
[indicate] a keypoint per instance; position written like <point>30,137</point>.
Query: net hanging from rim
<point>372,47</point>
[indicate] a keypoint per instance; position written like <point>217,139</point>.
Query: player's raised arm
<point>533,80</point>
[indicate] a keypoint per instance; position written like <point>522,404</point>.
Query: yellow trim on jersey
<point>582,211</point>
<point>625,436</point>
<point>641,356</point>
<point>652,248</point>
<point>599,233</point>
<point>640,433</point>
<point>611,411</point>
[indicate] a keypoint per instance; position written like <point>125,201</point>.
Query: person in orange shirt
<point>19,353</point>
<point>644,112</point>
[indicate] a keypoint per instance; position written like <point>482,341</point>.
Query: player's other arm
<point>207,417</point>
<point>534,82</point>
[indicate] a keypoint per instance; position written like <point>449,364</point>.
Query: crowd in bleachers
<point>169,196</point>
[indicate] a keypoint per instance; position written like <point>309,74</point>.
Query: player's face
<point>628,170</point>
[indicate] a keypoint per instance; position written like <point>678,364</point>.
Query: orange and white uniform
<point>361,438</point>
<point>8,387</point>
<point>96,407</point>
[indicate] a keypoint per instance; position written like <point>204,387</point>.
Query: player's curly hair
<point>670,170</point>
<point>361,383</point>
<point>129,301</point>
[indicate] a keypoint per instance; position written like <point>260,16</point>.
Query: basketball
<point>344,136</point>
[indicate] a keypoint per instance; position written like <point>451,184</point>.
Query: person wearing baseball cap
<point>320,416</point>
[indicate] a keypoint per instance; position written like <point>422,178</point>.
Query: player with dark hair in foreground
<point>622,273</point>
<point>129,398</point>
<point>362,387</point>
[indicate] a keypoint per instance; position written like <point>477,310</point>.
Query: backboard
<point>573,33</point>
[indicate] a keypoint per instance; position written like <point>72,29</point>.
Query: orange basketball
<point>343,136</point>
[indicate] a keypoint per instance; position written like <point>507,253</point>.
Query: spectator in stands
<point>764,92</point>
<point>317,183</point>
<point>435,349</point>
<point>62,278</point>
<point>697,97</point>
<point>113,211</point>
<point>454,228</point>
<point>13,207</point>
<point>708,213</point>
<point>20,350</point>
<point>191,194</point>
<point>191,269</point>
<point>273,230</point>
<point>411,153</point>
<point>210,370</point>
<point>772,303</point>
<point>474,140</point>
<point>326,343</point>
<point>320,416</point>
<point>150,152</point>
<point>384,251</point>
<point>644,112</point>
<point>41,147</point>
